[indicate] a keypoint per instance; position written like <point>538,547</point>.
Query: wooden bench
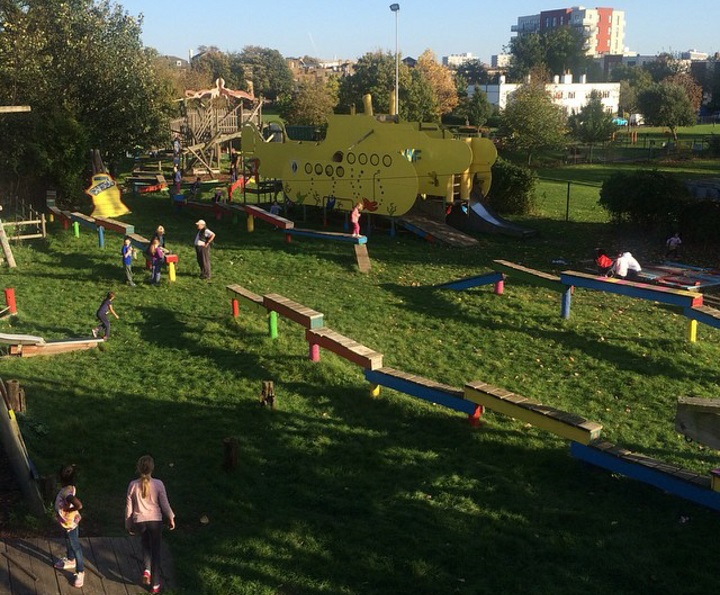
<point>242,295</point>
<point>655,293</point>
<point>343,346</point>
<point>530,275</point>
<point>291,310</point>
<point>423,388</point>
<point>561,423</point>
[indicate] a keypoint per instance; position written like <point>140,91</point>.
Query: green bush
<point>513,188</point>
<point>649,199</point>
<point>699,221</point>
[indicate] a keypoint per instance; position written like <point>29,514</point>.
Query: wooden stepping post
<point>10,301</point>
<point>362,257</point>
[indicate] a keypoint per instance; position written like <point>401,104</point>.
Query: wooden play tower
<point>211,120</point>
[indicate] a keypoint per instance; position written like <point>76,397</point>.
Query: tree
<point>666,104</point>
<point>310,104</point>
<point>592,125</point>
<point>476,108</point>
<point>268,71</point>
<point>663,67</point>
<point>527,53</point>
<point>556,50</point>
<point>417,101</point>
<point>212,64</point>
<point>474,72</point>
<point>374,73</point>
<point>82,67</point>
<point>441,82</point>
<point>692,88</point>
<point>532,122</point>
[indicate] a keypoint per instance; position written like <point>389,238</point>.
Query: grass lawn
<point>338,493</point>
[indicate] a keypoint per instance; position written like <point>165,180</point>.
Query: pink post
<point>235,308</point>
<point>288,238</point>
<point>474,419</point>
<point>314,352</point>
<point>499,287</point>
<point>10,300</point>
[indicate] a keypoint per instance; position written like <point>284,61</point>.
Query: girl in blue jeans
<point>67,513</point>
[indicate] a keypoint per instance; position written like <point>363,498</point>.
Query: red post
<point>65,222</point>
<point>314,352</point>
<point>288,238</point>
<point>499,287</point>
<point>474,419</point>
<point>10,300</point>
<point>235,308</point>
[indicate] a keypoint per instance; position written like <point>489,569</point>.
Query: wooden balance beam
<point>53,347</point>
<point>302,315</point>
<point>561,423</point>
<point>529,275</point>
<point>699,420</point>
<point>327,235</point>
<point>343,346</point>
<point>241,295</point>
<point>669,478</point>
<point>495,278</point>
<point>275,220</point>
<point>116,226</point>
<point>655,293</point>
<point>422,388</point>
<point>83,219</point>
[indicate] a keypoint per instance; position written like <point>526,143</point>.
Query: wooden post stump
<point>230,461</point>
<point>16,396</point>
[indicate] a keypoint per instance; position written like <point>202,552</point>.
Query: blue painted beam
<point>704,314</point>
<point>651,476</point>
<point>476,281</point>
<point>664,295</point>
<point>327,235</point>
<point>421,392</point>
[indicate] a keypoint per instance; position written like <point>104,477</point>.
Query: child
<point>603,261</point>
<point>102,316</point>
<point>145,504</point>
<point>67,513</point>
<point>275,208</point>
<point>127,252</point>
<point>355,219</point>
<point>673,246</point>
<point>195,188</point>
<point>157,258</point>
<point>626,267</point>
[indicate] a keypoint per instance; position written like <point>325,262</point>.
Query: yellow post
<point>374,391</point>
<point>692,331</point>
<point>250,223</point>
<point>52,217</point>
<point>171,271</point>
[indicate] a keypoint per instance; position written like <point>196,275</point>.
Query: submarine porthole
<point>374,159</point>
<point>351,158</point>
<point>318,169</point>
<point>337,157</point>
<point>363,158</point>
<point>294,167</point>
<point>308,168</point>
<point>329,171</point>
<point>387,160</point>
<point>340,171</point>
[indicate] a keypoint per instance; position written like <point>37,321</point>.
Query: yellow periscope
<point>376,160</point>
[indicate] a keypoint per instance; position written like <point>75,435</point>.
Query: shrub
<point>699,221</point>
<point>647,198</point>
<point>513,189</point>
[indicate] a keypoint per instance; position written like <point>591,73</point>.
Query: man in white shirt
<point>203,239</point>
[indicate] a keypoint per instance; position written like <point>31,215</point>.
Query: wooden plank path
<point>433,231</point>
<point>343,346</point>
<point>530,275</point>
<point>113,566</point>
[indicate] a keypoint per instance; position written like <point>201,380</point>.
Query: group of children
<point>625,266</point>
<point>156,253</point>
<point>146,503</point>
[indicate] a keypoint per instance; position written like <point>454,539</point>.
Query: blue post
<point>101,236</point>
<point>346,225</point>
<point>392,227</point>
<point>565,307</point>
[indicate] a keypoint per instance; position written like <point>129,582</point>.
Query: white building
<point>563,91</point>
<point>603,28</point>
<point>500,60</point>
<point>455,60</point>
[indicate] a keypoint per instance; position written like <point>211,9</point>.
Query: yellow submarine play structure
<point>377,160</point>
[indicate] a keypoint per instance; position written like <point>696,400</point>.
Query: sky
<point>330,29</point>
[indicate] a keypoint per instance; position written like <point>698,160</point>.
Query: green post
<point>272,324</point>
<point>76,229</point>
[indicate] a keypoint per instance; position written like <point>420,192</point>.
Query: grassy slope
<point>337,493</point>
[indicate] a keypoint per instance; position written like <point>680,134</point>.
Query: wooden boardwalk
<point>113,566</point>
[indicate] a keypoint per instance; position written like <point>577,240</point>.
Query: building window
<point>571,94</point>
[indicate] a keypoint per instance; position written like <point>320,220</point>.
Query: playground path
<point>113,566</point>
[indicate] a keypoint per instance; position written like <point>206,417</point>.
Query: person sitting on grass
<point>603,262</point>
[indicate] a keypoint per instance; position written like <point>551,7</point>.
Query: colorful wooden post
<point>715,480</point>
<point>235,308</point>
<point>374,390</point>
<point>565,305</point>
<point>273,324</point>
<point>76,229</point>
<point>65,223</point>
<point>51,217</point>
<point>499,287</point>
<point>288,238</point>
<point>474,418</point>
<point>314,352</point>
<point>101,236</point>
<point>250,223</point>
<point>692,331</point>
<point>10,300</point>
<point>171,260</point>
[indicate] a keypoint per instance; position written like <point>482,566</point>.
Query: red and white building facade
<point>603,28</point>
